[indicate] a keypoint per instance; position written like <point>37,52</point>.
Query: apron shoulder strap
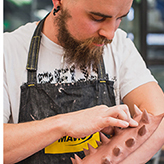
<point>34,52</point>
<point>101,70</point>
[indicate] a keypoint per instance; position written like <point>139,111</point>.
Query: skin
<point>95,21</point>
<point>100,18</point>
<point>151,97</point>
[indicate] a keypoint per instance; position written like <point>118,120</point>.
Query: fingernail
<point>135,122</point>
<point>126,124</point>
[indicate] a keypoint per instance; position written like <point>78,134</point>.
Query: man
<point>68,93</point>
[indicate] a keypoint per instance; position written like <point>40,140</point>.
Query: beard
<point>81,53</point>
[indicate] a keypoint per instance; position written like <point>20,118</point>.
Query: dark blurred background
<point>144,25</point>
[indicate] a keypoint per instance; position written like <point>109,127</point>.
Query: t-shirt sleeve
<point>133,70</point>
<point>6,104</point>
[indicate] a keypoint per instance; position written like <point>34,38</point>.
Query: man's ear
<point>53,1</point>
<point>56,3</point>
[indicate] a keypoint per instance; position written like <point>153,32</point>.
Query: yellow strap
<point>31,85</point>
<point>102,81</point>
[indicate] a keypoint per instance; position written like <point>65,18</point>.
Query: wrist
<point>55,126</point>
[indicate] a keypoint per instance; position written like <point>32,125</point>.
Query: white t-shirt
<point>123,64</point>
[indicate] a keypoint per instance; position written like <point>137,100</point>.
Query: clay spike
<point>73,161</point>
<point>117,130</point>
<point>104,139</point>
<point>77,159</point>
<point>160,116</point>
<point>86,152</point>
<point>137,111</point>
<point>116,151</point>
<point>130,142</point>
<point>99,143</point>
<point>142,131</point>
<point>106,160</point>
<point>145,117</point>
<point>91,149</point>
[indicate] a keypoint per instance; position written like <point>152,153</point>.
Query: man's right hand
<point>88,121</point>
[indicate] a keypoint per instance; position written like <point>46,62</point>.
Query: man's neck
<point>50,29</point>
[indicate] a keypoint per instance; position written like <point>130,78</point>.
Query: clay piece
<point>123,142</point>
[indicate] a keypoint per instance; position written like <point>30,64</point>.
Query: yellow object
<point>70,145</point>
<point>102,81</point>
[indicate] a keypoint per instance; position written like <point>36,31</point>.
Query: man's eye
<point>120,18</point>
<point>98,18</point>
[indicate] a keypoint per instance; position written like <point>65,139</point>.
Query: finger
<point>126,110</point>
<point>110,121</point>
<point>132,122</point>
<point>119,112</point>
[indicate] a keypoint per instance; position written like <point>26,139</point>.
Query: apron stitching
<point>29,56</point>
<point>33,53</point>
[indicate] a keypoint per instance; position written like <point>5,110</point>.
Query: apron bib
<point>39,101</point>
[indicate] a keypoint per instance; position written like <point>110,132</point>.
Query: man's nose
<point>108,30</point>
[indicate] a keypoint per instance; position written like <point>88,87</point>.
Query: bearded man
<point>74,67</point>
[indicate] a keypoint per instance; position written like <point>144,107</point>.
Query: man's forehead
<point>97,5</point>
<point>108,8</point>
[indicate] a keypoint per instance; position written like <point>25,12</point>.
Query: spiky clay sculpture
<point>123,143</point>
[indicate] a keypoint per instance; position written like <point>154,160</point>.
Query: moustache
<point>101,41</point>
<point>95,41</point>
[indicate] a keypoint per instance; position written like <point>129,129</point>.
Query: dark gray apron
<point>39,101</point>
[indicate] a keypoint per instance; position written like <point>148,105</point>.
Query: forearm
<point>148,149</point>
<point>149,97</point>
<point>24,139</point>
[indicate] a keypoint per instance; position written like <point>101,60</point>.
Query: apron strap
<point>34,52</point>
<point>101,70</point>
